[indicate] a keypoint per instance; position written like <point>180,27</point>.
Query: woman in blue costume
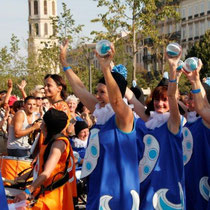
<point>111,160</point>
<point>196,145</point>
<point>161,168</point>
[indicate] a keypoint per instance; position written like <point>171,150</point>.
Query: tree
<point>201,50</point>
<point>139,19</point>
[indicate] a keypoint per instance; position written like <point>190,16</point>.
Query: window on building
<point>190,11</point>
<point>45,7</point>
<point>183,29</point>
<point>202,28</point>
<point>202,8</point>
<point>183,13</point>
<point>196,29</point>
<point>208,7</point>
<point>29,9</point>
<point>170,26</point>
<point>137,57</point>
<point>30,29</point>
<point>53,8</point>
<point>190,30</point>
<point>196,9</point>
<point>45,29</point>
<point>36,8</point>
<point>37,29</point>
<point>208,23</point>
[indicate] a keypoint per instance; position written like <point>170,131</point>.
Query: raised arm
<point>77,85</point>
<point>174,119</point>
<point>9,91</point>
<point>124,115</point>
<point>202,106</point>
<point>138,106</point>
<point>21,87</point>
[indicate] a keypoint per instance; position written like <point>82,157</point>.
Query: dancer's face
<point>161,105</point>
<point>102,95</point>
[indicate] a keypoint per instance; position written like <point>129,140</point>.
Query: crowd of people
<point>133,153</point>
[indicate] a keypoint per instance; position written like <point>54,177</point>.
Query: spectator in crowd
<point>79,141</point>
<point>23,123</point>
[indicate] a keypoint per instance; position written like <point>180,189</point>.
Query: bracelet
<point>173,80</point>
<point>79,160</point>
<point>65,68</point>
<point>27,191</point>
<point>196,91</point>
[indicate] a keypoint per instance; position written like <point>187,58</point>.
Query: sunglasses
<point>39,98</point>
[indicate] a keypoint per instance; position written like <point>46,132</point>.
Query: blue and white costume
<point>111,165</point>
<point>196,145</point>
<point>161,168</point>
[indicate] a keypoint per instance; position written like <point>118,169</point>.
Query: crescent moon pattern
<point>151,154</point>
<point>91,154</point>
<point>136,200</point>
<point>187,145</point>
<point>204,188</point>
<point>160,202</point>
<point>104,202</point>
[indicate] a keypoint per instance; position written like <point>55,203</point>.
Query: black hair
<point>29,98</point>
<point>120,80</point>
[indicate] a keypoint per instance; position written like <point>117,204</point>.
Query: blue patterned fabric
<point>197,169</point>
<point>114,182</point>
<point>161,169</point>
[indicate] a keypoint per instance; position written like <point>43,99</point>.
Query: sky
<point>14,18</point>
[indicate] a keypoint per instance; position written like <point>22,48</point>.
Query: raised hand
<point>63,52</point>
<point>194,75</point>
<point>22,85</point>
<point>105,62</point>
<point>9,83</point>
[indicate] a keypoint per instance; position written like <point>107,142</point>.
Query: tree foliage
<point>201,50</point>
<point>139,19</point>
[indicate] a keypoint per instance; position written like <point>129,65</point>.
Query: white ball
<point>180,65</point>
<point>191,64</point>
<point>173,49</point>
<point>102,47</point>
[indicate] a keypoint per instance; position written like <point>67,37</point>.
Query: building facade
<point>40,23</point>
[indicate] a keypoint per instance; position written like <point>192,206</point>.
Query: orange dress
<point>61,197</point>
<point>62,106</point>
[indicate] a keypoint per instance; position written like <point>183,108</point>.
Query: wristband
<point>79,160</point>
<point>27,191</point>
<point>196,91</point>
<point>65,68</point>
<point>173,80</point>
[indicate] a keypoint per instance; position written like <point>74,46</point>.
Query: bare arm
<point>21,87</point>
<point>58,147</point>
<point>202,106</point>
<point>124,115</point>
<point>138,106</point>
<point>18,123</point>
<point>9,91</point>
<point>174,119</point>
<point>77,85</point>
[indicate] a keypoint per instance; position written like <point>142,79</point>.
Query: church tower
<point>40,24</point>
